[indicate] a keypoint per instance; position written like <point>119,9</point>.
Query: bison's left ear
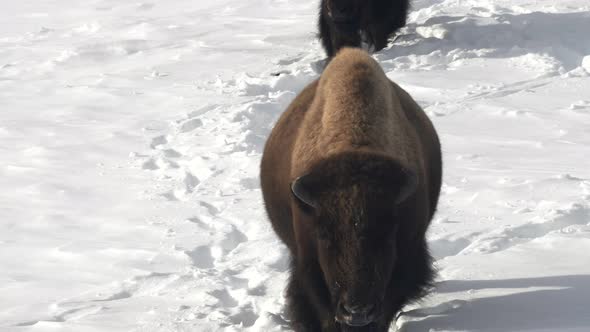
<point>303,191</point>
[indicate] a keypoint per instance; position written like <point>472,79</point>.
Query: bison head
<point>351,201</point>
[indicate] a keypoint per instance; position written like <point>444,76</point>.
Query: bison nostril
<point>351,309</point>
<point>356,314</point>
<point>359,309</point>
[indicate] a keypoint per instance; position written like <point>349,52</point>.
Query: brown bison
<point>350,176</point>
<point>352,22</point>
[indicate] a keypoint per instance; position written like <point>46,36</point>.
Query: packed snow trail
<point>131,136</point>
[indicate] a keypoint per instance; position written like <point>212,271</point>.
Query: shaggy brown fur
<point>350,22</point>
<point>350,176</point>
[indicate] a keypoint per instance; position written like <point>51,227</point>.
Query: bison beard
<point>350,177</point>
<point>352,22</point>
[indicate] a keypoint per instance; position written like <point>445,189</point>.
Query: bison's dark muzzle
<point>356,315</point>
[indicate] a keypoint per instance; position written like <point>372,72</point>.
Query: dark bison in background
<point>350,176</point>
<point>352,22</point>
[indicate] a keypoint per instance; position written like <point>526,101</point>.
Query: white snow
<point>131,132</point>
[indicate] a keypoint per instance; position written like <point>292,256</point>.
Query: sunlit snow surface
<point>131,133</point>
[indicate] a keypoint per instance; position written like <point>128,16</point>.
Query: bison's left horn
<point>302,192</point>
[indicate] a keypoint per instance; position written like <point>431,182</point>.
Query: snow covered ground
<point>131,132</point>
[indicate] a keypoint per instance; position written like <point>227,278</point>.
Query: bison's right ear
<point>302,190</point>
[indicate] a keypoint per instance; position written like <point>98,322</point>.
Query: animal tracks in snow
<point>208,162</point>
<point>569,220</point>
<point>582,106</point>
<point>201,257</point>
<point>190,125</point>
<point>439,41</point>
<point>62,315</point>
<point>542,216</point>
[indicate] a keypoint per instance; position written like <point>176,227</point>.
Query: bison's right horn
<point>302,192</point>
